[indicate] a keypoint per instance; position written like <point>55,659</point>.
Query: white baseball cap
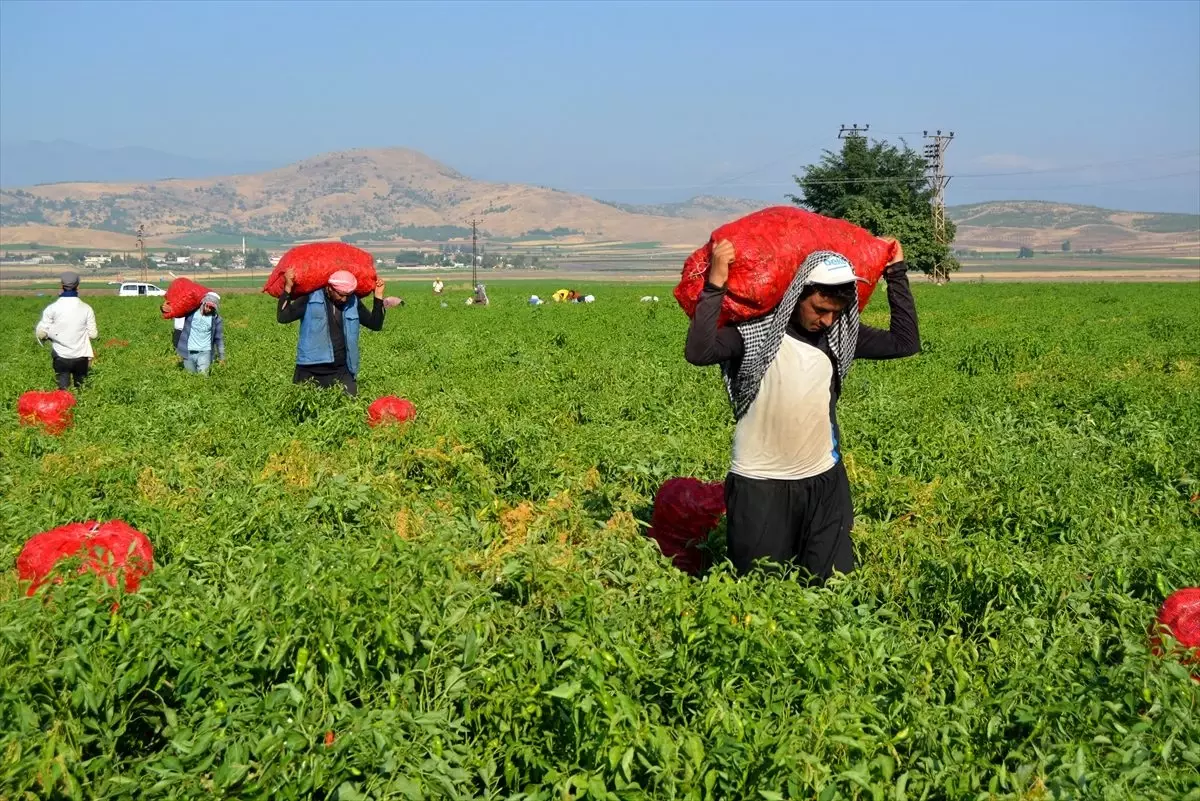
<point>831,270</point>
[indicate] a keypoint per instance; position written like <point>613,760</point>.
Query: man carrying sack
<point>331,318</point>
<point>787,493</point>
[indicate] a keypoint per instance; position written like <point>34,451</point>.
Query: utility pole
<point>935,166</point>
<point>141,241</point>
<point>474,255</point>
<point>853,132</point>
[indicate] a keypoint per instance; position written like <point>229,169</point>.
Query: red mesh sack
<point>390,409</point>
<point>108,550</point>
<point>315,262</point>
<point>184,296</point>
<point>1180,616</point>
<point>53,411</point>
<point>769,247</point>
<point>686,510</point>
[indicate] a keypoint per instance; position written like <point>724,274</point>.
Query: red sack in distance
<point>184,296</point>
<point>53,411</point>
<point>769,247</point>
<point>316,261</point>
<point>390,409</point>
<point>108,550</point>
<point>686,510</point>
<point>1180,616</point>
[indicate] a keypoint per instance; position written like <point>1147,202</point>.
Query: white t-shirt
<point>179,323</point>
<point>70,324</point>
<point>787,433</point>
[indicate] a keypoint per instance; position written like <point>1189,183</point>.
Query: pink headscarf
<point>343,281</point>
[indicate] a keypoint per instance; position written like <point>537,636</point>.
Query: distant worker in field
<point>330,321</point>
<point>787,494</point>
<point>70,326</point>
<point>480,297</point>
<point>438,286</point>
<point>200,340</point>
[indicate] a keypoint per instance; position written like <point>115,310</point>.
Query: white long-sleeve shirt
<point>70,325</point>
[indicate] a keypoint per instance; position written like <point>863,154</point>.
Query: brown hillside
<point>335,195</point>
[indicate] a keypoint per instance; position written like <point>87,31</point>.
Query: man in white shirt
<point>787,494</point>
<point>70,325</point>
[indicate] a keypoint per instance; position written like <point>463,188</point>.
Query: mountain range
<point>398,196</point>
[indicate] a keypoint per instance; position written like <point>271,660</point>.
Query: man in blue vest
<point>330,320</point>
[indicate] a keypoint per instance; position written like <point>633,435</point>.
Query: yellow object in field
<point>561,295</point>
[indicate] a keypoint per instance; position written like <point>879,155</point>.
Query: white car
<point>132,290</point>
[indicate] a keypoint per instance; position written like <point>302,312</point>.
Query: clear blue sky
<point>632,101</point>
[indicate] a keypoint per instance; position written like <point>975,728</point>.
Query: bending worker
<point>787,494</point>
<point>331,318</point>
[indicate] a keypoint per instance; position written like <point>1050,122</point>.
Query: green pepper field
<point>466,607</point>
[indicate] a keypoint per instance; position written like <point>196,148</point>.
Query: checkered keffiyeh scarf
<point>762,337</point>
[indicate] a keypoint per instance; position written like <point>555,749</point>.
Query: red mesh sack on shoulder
<point>686,510</point>
<point>184,296</point>
<point>316,261</point>
<point>769,247</point>
<point>390,409</point>
<point>110,550</point>
<point>1180,616</point>
<point>53,411</point>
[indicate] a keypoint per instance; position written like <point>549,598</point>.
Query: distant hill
<point>394,195</point>
<point>365,195</point>
<point>29,163</point>
<point>1008,225</point>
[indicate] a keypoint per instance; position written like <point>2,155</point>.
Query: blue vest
<point>315,345</point>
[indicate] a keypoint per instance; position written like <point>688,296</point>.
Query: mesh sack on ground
<point>1180,617</point>
<point>110,550</point>
<point>686,510</point>
<point>390,409</point>
<point>53,411</point>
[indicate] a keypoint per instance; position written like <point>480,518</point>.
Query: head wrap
<point>211,297</point>
<point>343,281</point>
<point>762,337</point>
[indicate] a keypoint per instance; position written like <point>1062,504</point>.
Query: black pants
<point>805,522</point>
<point>70,370</point>
<point>175,334</point>
<point>327,378</point>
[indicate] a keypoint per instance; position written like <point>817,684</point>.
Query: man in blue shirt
<point>202,338</point>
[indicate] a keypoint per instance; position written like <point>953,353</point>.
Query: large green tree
<point>884,189</point>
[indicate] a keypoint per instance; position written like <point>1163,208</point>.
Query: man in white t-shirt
<point>787,493</point>
<point>70,326</point>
